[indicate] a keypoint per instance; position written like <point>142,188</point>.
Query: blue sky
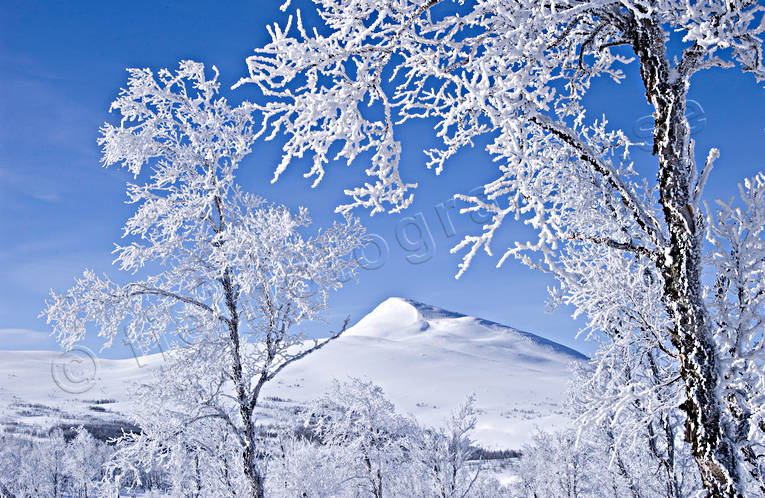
<point>62,64</point>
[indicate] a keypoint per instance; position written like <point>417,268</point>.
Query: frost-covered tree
<point>226,278</point>
<point>352,442</point>
<point>356,417</point>
<point>190,436</point>
<point>593,461</point>
<point>737,299</point>
<point>444,454</point>
<point>517,73</point>
<point>631,393</point>
<point>83,463</point>
<point>49,466</point>
<point>9,463</point>
<point>637,440</point>
<point>303,467</point>
<point>555,465</point>
<point>39,465</point>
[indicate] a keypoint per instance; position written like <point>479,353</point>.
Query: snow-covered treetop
<point>483,67</point>
<point>195,234</point>
<point>178,120</point>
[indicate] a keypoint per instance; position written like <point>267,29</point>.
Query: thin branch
<point>613,44</point>
<point>224,416</point>
<point>313,349</point>
<point>153,291</point>
<point>647,222</point>
<point>702,181</point>
<point>623,246</point>
<point>587,42</point>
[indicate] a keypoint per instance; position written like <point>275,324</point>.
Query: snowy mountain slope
<point>429,360</point>
<point>426,359</point>
<point>43,389</point>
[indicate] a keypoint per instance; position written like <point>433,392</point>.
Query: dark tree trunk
<point>666,90</point>
<point>254,477</point>
<point>249,456</point>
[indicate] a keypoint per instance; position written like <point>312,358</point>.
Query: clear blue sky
<point>63,63</point>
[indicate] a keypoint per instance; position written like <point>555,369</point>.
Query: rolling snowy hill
<point>426,359</point>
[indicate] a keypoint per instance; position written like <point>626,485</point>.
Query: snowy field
<point>426,359</point>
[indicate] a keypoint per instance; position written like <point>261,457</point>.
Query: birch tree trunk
<point>249,460</point>
<point>666,90</point>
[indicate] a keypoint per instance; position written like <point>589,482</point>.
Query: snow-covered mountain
<point>426,359</point>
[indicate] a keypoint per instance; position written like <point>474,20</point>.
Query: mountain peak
<point>427,359</point>
<point>426,311</point>
<point>400,318</point>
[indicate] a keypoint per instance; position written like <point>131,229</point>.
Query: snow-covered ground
<point>426,359</point>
